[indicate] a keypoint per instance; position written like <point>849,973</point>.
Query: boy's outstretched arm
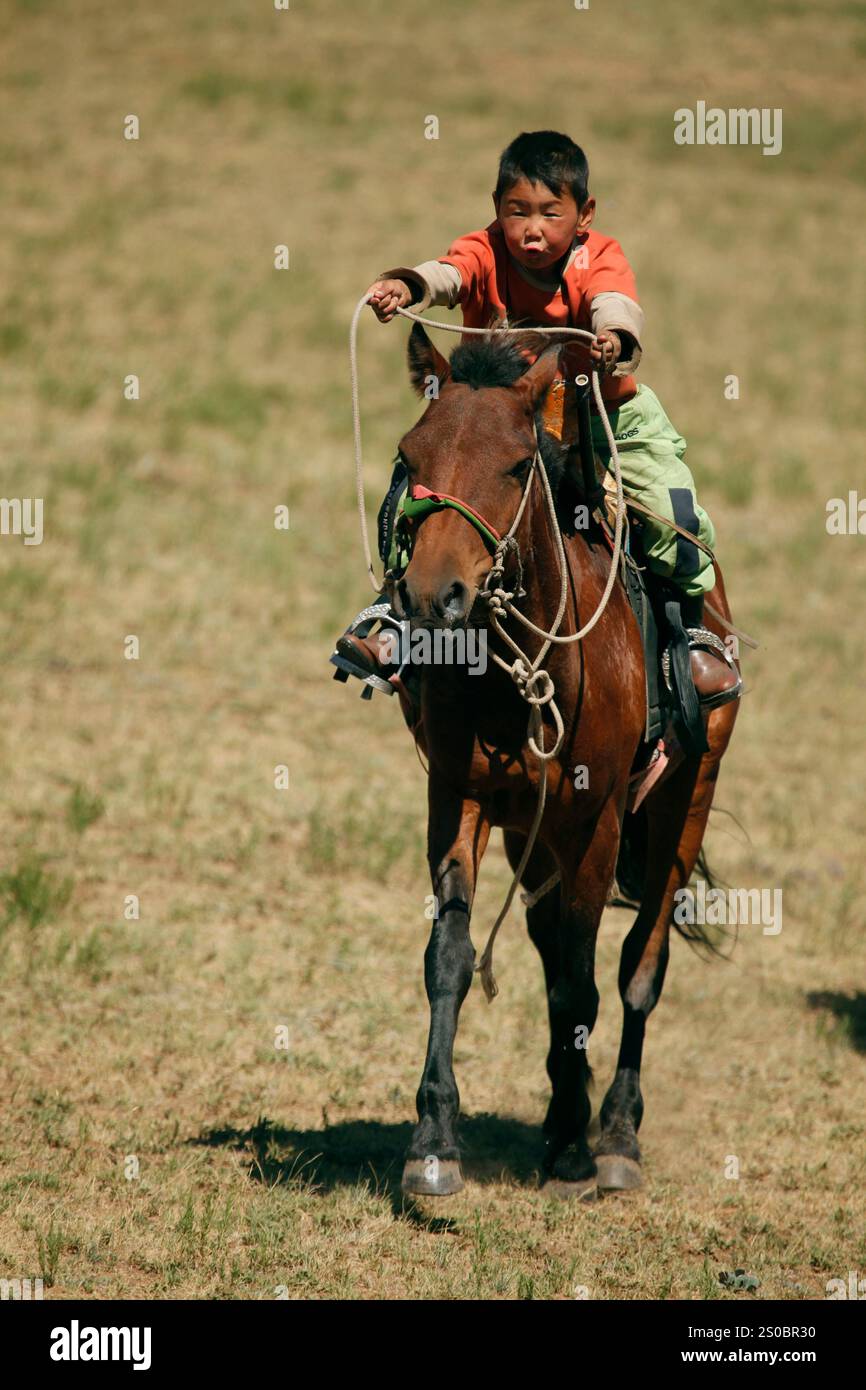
<point>431,283</point>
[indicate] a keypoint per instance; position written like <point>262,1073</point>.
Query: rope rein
<point>356,432</point>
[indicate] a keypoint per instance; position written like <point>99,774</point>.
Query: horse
<point>476,443</point>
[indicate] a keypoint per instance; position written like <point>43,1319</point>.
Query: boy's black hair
<point>545,156</point>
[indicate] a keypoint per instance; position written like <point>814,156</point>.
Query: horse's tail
<point>704,869</point>
<point>631,875</point>
<point>696,933</point>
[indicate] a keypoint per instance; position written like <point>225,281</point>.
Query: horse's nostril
<point>452,601</point>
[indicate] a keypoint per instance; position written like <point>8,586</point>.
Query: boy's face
<point>538,224</point>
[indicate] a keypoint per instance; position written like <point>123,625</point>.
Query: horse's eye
<point>520,469</point>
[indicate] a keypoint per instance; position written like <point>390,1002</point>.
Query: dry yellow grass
<point>154,1038</point>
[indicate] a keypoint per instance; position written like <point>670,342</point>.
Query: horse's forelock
<point>498,360</point>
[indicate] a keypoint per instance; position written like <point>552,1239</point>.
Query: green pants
<point>651,461</point>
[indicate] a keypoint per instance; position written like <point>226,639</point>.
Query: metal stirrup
<point>698,637</point>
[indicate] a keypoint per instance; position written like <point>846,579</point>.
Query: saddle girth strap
<point>693,733</point>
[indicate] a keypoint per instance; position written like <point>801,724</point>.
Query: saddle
<point>674,723</point>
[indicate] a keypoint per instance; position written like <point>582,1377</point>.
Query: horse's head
<point>475,445</point>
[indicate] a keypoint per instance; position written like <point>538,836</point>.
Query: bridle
<point>421,501</point>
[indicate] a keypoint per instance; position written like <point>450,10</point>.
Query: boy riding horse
<point>540,264</point>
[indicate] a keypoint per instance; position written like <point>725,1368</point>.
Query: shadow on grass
<point>849,1009</point>
<point>493,1150</point>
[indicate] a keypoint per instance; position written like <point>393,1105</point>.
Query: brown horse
<point>476,442</point>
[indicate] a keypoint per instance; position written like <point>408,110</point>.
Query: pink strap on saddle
<point>666,758</point>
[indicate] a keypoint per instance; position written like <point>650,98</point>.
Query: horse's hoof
<point>432,1177</point>
<point>584,1191</point>
<point>616,1173</point>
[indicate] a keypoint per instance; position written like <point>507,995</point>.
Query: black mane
<point>490,361</point>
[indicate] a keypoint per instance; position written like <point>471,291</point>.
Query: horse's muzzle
<point>449,607</point>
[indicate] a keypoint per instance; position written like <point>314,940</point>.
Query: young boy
<point>540,264</point>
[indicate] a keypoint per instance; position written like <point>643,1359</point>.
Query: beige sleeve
<point>431,282</point>
<point>613,310</point>
<point>443,282</point>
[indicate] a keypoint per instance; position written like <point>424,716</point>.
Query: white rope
<point>356,426</point>
<point>535,685</point>
<point>530,899</point>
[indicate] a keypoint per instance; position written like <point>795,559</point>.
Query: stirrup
<point>377,612</point>
<point>702,637</point>
<point>361,625</point>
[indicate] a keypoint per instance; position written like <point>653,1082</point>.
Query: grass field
<point>155,1141</point>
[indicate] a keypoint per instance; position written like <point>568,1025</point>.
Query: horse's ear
<point>425,364</point>
<point>536,382</point>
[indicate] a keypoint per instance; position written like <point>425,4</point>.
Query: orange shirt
<point>493,287</point>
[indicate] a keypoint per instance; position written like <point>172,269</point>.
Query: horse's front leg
<point>457,837</point>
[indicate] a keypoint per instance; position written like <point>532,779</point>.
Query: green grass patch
<point>33,894</point>
<point>83,808</point>
<point>216,87</point>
